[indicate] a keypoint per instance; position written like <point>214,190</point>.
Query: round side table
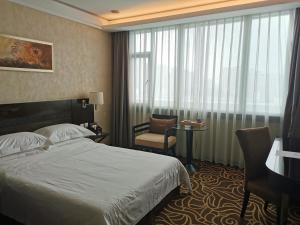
<point>189,130</point>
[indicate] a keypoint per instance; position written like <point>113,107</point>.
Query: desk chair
<point>256,145</point>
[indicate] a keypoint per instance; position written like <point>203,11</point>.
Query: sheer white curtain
<point>231,72</point>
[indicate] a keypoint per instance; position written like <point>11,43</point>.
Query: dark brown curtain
<point>291,124</point>
<point>120,96</point>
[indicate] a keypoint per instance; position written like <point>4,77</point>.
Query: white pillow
<point>22,141</point>
<point>63,132</point>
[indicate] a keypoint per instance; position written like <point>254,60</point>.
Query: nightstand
<point>98,137</point>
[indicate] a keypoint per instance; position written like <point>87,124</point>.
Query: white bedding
<point>80,182</point>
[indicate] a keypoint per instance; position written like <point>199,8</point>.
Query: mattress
<point>80,182</point>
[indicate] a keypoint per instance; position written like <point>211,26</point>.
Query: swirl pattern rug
<point>216,199</point>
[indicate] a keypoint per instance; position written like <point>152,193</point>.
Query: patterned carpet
<point>216,199</point>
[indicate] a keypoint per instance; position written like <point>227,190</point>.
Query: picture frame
<point>24,54</point>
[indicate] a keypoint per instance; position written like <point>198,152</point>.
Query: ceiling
<point>134,8</point>
<point>136,12</point>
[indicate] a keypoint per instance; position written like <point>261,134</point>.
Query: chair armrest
<point>139,128</point>
<point>141,125</point>
<point>168,132</point>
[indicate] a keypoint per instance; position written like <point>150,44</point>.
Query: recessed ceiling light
<point>114,11</point>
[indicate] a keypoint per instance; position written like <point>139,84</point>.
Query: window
<point>232,65</point>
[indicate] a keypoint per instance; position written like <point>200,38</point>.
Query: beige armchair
<point>157,135</point>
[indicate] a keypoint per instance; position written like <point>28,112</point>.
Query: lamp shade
<point>96,98</point>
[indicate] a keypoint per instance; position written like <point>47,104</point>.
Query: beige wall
<point>82,60</point>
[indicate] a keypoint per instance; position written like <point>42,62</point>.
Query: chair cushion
<point>159,125</point>
<point>154,140</point>
<point>261,187</point>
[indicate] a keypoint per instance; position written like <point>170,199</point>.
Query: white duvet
<point>80,182</point>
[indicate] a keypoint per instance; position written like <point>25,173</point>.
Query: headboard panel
<point>30,116</point>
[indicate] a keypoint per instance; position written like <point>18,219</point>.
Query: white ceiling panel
<point>131,8</point>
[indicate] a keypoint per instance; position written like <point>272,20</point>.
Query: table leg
<point>189,152</point>
<point>284,208</point>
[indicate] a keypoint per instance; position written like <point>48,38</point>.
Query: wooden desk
<point>284,176</point>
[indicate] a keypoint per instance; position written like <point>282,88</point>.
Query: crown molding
<point>207,14</point>
<point>220,14</point>
<point>58,9</point>
<point>55,7</point>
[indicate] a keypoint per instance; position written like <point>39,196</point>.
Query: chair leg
<point>245,203</point>
<point>278,210</point>
<point>266,205</point>
<point>148,149</point>
<point>284,208</point>
<point>173,151</point>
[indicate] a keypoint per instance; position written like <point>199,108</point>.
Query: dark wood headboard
<point>30,116</point>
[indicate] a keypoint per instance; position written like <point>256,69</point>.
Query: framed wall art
<point>22,54</point>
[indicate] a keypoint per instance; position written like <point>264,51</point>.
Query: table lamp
<point>96,98</point>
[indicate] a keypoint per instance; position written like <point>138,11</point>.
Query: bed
<point>80,182</point>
